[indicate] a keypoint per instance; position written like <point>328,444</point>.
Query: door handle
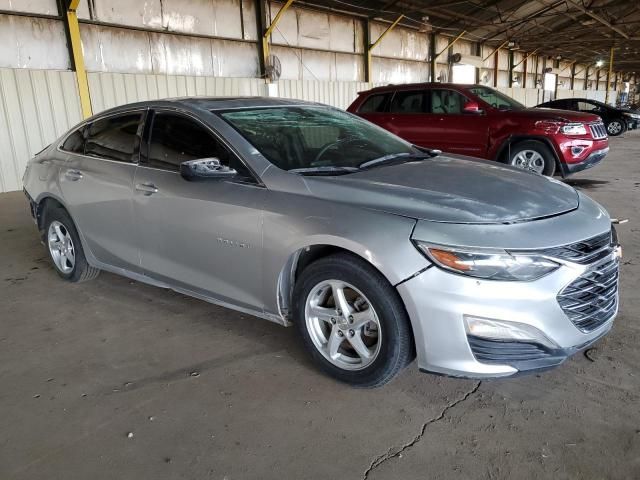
<point>73,175</point>
<point>147,188</point>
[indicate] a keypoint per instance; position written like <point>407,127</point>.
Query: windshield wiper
<point>398,157</point>
<point>328,170</point>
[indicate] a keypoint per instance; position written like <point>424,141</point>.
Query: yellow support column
<point>606,97</point>
<point>78,59</point>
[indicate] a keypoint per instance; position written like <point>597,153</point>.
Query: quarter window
<point>408,102</point>
<point>375,104</point>
<point>447,102</point>
<point>176,139</point>
<point>113,138</point>
<point>74,142</point>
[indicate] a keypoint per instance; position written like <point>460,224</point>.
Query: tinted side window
<point>176,139</point>
<point>113,138</point>
<point>447,102</point>
<point>74,142</point>
<point>375,103</point>
<point>408,102</point>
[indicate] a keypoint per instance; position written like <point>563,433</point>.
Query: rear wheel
<point>533,156</point>
<point>616,127</point>
<point>64,247</point>
<point>351,321</point>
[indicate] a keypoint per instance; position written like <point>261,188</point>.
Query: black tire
<point>396,347</point>
<point>543,150</point>
<point>81,271</point>
<point>616,127</point>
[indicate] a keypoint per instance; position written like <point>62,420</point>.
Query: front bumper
<point>437,302</point>
<point>592,160</point>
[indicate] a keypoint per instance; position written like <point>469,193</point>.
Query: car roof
<point>211,103</point>
<point>411,86</point>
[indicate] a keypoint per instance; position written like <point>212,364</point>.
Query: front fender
<point>382,239</point>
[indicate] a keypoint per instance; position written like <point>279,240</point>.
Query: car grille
<point>585,251</point>
<point>592,299</point>
<point>598,131</point>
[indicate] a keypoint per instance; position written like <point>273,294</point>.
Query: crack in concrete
<point>380,459</point>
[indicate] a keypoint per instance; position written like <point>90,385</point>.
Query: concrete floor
<point>112,379</point>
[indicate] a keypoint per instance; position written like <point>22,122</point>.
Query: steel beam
<point>71,20</point>
<point>598,18</point>
<point>449,45</point>
<point>267,33</point>
<point>370,47</point>
<point>606,97</point>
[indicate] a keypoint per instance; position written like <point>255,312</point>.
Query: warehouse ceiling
<point>575,30</point>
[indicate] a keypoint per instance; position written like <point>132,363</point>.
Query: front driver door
<point>200,236</point>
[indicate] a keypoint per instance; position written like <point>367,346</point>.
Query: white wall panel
<point>27,42</point>
<point>46,7</point>
<point>204,17</point>
<point>300,27</point>
<point>36,107</point>
<point>115,49</point>
<point>301,64</point>
<point>121,50</point>
<point>137,13</point>
<point>386,70</point>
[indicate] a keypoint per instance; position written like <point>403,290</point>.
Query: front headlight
<point>489,264</point>
<point>635,116</point>
<point>574,129</point>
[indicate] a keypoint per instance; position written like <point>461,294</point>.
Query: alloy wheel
<point>614,128</point>
<point>529,160</point>
<point>61,247</point>
<point>343,325</point>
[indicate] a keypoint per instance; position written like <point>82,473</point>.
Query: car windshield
<point>326,140</point>
<point>496,99</point>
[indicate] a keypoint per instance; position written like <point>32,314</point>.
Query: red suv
<point>481,122</point>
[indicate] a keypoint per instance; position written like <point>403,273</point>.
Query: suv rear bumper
<point>592,160</point>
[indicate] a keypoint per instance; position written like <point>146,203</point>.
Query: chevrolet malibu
<point>377,251</point>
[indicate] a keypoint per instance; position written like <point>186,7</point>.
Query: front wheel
<point>351,321</point>
<point>616,127</point>
<point>533,156</point>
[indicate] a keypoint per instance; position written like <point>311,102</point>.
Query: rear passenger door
<point>97,185</point>
<point>409,118</point>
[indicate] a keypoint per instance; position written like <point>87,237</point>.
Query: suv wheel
<point>352,322</point>
<point>533,156</point>
<point>65,249</point>
<point>616,127</point>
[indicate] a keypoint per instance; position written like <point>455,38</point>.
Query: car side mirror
<point>472,107</point>
<point>204,169</point>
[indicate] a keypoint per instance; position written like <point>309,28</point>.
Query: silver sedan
<point>375,250</point>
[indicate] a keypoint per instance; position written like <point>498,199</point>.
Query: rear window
<point>375,104</point>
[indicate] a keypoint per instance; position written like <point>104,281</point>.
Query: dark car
<point>478,121</point>
<point>617,120</point>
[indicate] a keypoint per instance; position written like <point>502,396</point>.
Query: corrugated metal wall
<point>36,107</point>
<point>113,89</point>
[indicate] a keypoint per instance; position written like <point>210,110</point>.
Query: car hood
<point>557,114</point>
<point>451,190</point>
